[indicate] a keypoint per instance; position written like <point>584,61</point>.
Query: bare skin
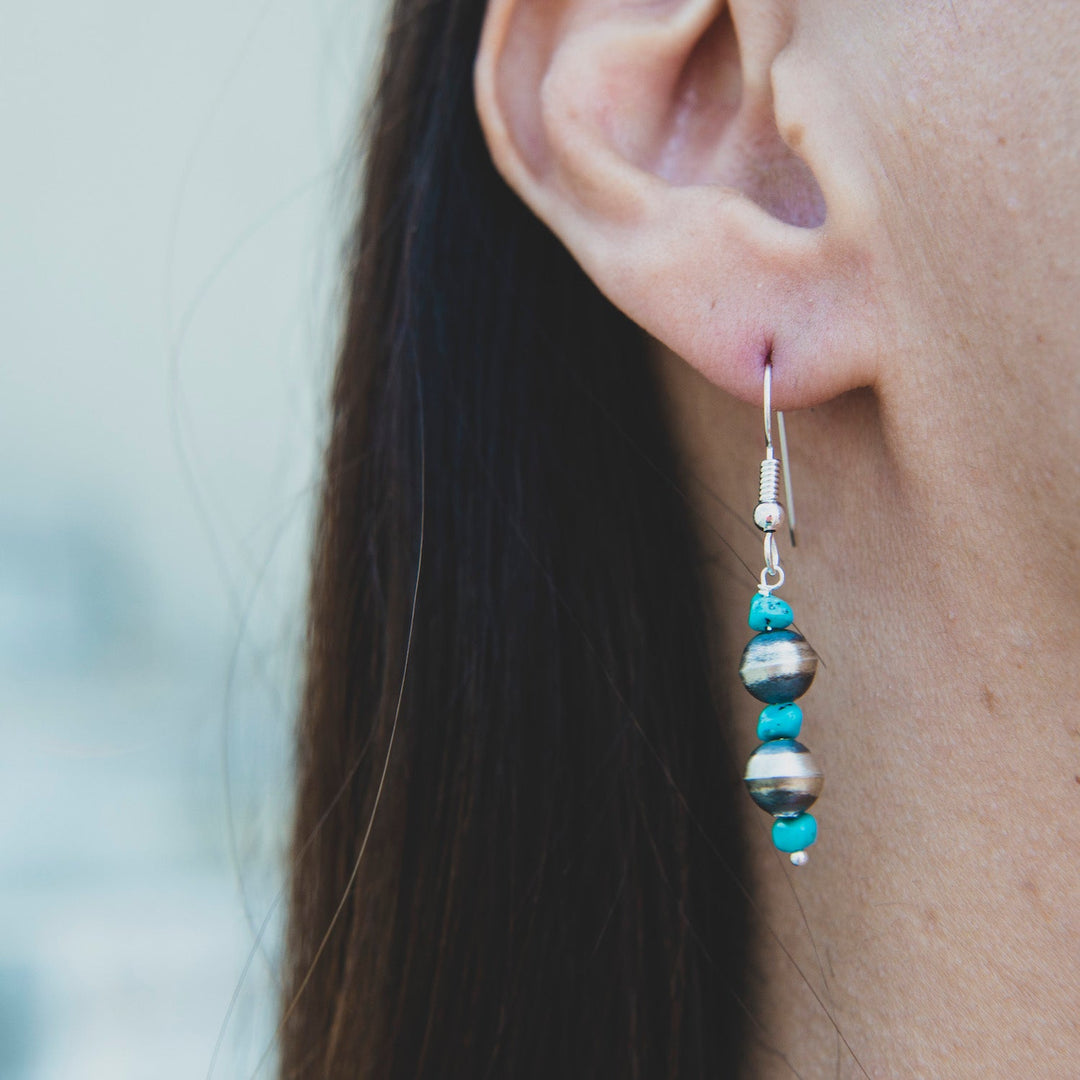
<point>940,921</point>
<point>884,197</point>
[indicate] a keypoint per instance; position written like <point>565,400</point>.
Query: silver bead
<point>768,516</point>
<point>778,665</point>
<point>799,858</point>
<point>783,778</point>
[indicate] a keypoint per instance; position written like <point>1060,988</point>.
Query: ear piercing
<point>778,666</point>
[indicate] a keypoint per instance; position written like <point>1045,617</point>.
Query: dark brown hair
<point>548,885</point>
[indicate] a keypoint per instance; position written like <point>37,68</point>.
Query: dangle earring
<point>777,667</point>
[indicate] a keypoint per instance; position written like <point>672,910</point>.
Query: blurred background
<point>176,186</point>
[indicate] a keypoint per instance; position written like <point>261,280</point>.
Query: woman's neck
<point>938,920</point>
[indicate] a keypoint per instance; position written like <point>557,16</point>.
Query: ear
<point>682,152</point>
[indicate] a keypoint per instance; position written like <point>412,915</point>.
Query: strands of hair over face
<point>549,886</point>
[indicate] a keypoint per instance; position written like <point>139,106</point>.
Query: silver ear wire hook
<point>787,477</point>
<point>770,455</point>
<point>767,402</point>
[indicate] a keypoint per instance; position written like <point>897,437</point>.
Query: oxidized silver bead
<point>777,666</point>
<point>783,778</point>
<point>768,516</point>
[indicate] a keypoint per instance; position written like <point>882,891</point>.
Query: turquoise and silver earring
<point>777,667</point>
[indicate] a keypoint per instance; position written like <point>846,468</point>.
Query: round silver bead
<point>778,665</point>
<point>799,858</point>
<point>783,778</point>
<point>768,516</point>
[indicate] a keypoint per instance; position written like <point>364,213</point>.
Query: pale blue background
<point>175,181</point>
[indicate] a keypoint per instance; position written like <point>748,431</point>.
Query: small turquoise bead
<point>794,834</point>
<point>782,721</point>
<point>769,613</point>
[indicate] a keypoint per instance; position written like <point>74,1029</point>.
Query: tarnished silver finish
<point>783,778</point>
<point>768,516</point>
<point>778,665</point>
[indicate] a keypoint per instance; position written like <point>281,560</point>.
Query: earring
<point>777,667</point>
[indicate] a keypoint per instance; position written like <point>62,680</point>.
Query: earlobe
<point>646,137</point>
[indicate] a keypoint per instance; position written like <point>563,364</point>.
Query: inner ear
<point>718,133</point>
<point>706,101</point>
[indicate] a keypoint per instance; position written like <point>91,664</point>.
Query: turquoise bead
<point>769,613</point>
<point>794,834</point>
<point>783,721</point>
